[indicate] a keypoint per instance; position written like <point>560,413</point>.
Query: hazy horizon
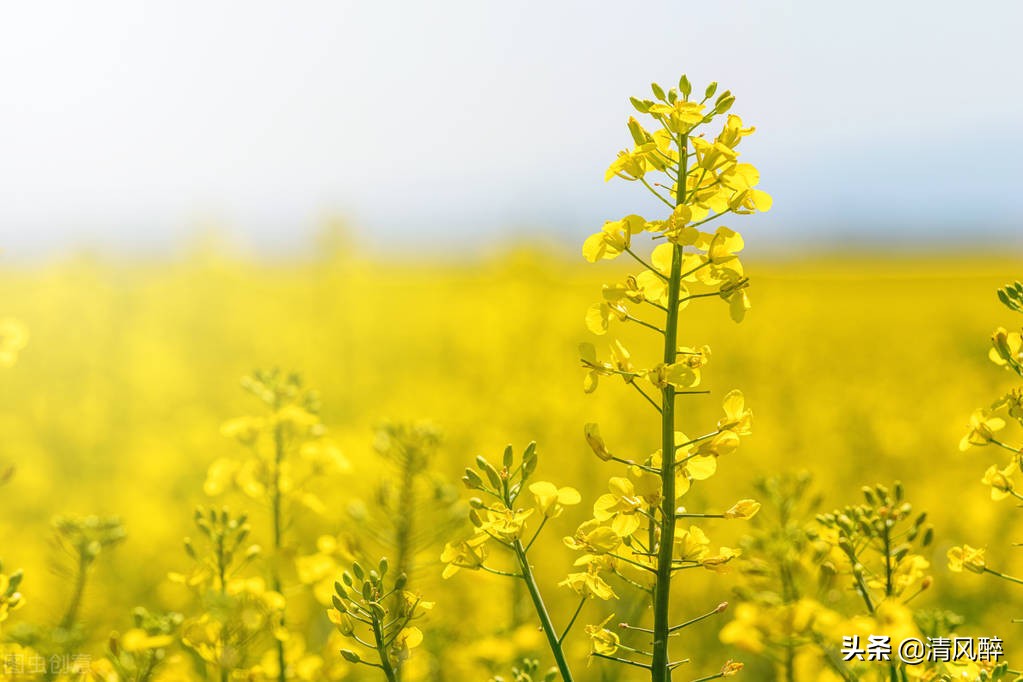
<point>460,125</point>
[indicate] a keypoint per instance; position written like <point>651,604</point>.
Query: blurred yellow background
<point>859,368</point>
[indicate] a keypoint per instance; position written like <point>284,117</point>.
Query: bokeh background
<point>390,197</point>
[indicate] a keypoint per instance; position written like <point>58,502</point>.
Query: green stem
<point>655,192</point>
<point>645,264</point>
<point>1003,576</point>
<point>644,394</point>
<point>381,647</point>
<point>659,669</point>
<point>536,534</point>
<point>405,528</point>
<point>222,575</point>
<point>553,640</point>
<point>710,677</point>
<point>76,595</point>
<point>575,615</point>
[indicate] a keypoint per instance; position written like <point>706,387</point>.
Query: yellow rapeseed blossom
<point>594,537</point>
<point>603,641</point>
<point>1001,480</point>
<point>613,239</point>
<point>592,433</point>
<point>966,557</point>
<point>468,554</point>
<point>620,507</point>
<point>1007,348</point>
<point>551,500</point>
<point>743,509</point>
<point>589,583</point>
<point>983,426</point>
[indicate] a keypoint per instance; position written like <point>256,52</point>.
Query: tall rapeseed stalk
<point>634,536</point>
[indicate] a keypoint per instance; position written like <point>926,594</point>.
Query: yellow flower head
<point>552,500</point>
<point>1007,348</point>
<point>738,419</point>
<point>691,545</point>
<point>982,429</point>
<point>505,523</point>
<point>732,668</point>
<point>468,554</point>
<point>743,509</point>
<point>966,557</point>
<point>613,239</point>
<point>620,507</point>
<point>593,439</point>
<point>679,117</point>
<point>733,132</point>
<point>589,584</point>
<point>1000,480</point>
<point>719,562</point>
<point>594,537</point>
<point>602,640</point>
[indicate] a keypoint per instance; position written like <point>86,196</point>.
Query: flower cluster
<point>794,570</point>
<point>377,611</point>
<point>641,534</point>
<point>237,611</point>
<point>989,426</point>
<point>287,448</point>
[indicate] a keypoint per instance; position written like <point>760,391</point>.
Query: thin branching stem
<point>546,624</point>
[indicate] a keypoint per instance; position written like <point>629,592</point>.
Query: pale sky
<point>445,124</point>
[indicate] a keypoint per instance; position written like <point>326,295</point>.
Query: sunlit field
<point>860,369</point>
